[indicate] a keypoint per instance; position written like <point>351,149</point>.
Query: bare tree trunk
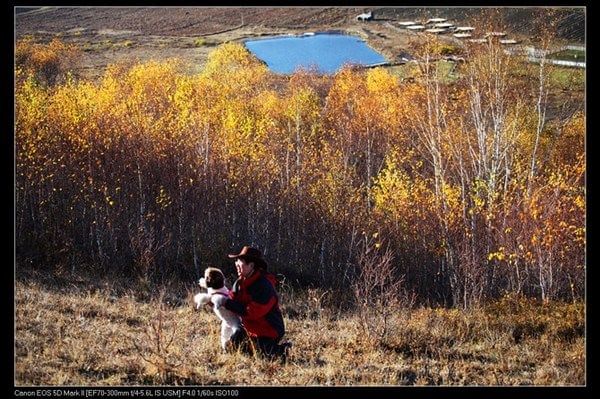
<point>322,259</point>
<point>541,120</point>
<point>195,254</point>
<point>142,203</point>
<point>206,149</point>
<point>96,222</point>
<point>179,213</point>
<point>369,172</point>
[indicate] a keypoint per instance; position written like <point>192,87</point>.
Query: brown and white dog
<point>217,293</point>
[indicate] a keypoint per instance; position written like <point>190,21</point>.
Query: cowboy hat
<point>250,254</point>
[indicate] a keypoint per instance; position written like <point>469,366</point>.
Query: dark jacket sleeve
<point>263,299</point>
<point>235,307</point>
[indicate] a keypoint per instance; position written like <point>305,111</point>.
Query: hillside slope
<point>181,21</point>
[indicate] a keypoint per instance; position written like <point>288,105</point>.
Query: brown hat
<point>251,255</point>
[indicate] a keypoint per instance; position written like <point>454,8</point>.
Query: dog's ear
<point>215,279</point>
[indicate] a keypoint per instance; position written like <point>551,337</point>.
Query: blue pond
<point>326,52</point>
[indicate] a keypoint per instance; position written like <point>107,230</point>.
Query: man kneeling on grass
<point>254,298</point>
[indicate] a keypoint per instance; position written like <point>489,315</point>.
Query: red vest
<point>262,317</point>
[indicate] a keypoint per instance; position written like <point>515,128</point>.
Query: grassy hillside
<point>570,22</point>
<point>86,335</point>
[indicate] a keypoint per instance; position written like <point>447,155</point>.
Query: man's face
<point>243,268</point>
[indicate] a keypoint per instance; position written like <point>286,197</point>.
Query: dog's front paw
<point>201,299</point>
<point>218,300</point>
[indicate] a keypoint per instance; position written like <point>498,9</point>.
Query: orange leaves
<point>380,82</point>
<point>233,71</point>
<point>231,57</point>
<point>163,199</point>
<point>31,100</point>
<point>46,62</point>
<point>569,144</point>
<point>384,94</point>
<point>364,101</point>
<point>499,255</point>
<point>355,151</point>
<point>330,187</point>
<point>405,200</point>
<point>392,190</point>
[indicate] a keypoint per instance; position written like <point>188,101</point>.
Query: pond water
<point>327,52</point>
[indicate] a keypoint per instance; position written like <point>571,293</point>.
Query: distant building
<point>495,34</point>
<point>464,29</point>
<point>415,27</point>
<point>435,20</point>
<point>405,57</point>
<point>436,31</point>
<point>462,35</point>
<point>407,23</point>
<point>365,16</point>
<point>454,58</point>
<point>443,25</point>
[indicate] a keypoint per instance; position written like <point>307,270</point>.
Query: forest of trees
<point>466,190</point>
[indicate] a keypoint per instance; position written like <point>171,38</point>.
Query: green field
<point>446,71</point>
<point>569,55</point>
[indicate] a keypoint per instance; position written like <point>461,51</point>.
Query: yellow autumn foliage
<point>187,162</point>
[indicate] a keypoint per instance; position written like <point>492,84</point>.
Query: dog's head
<point>213,278</point>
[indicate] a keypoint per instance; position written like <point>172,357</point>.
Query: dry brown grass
<point>93,337</point>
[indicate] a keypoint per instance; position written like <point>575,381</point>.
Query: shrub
<point>47,62</point>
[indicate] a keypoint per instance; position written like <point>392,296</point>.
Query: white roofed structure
<point>435,20</point>
<point>407,23</point>
<point>365,16</point>
<point>415,27</point>
<point>443,25</point>
<point>464,29</point>
<point>462,35</point>
<point>508,41</point>
<point>436,31</point>
<point>478,40</point>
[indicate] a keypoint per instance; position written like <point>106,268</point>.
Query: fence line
<point>537,55</point>
<point>574,64</point>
